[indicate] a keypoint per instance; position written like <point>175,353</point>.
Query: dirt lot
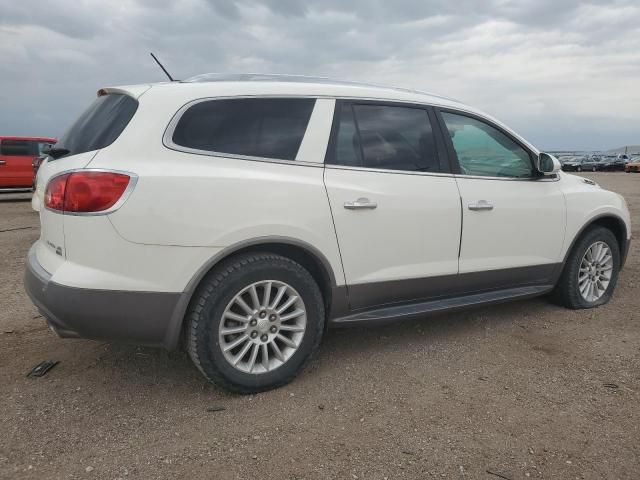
<point>519,390</point>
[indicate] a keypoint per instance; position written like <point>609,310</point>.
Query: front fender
<point>588,203</point>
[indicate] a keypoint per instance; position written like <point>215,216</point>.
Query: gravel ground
<point>519,390</point>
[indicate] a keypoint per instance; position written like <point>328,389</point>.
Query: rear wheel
<point>591,271</point>
<point>254,322</point>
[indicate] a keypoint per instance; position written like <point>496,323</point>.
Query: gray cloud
<point>565,74</point>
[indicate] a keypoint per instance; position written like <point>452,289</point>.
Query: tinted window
<point>484,150</point>
<point>347,142</point>
<point>14,148</point>
<point>386,137</point>
<point>254,127</point>
<point>100,125</point>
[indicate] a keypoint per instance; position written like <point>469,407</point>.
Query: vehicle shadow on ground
<point>127,364</point>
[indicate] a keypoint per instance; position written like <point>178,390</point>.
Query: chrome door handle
<point>360,204</point>
<point>481,205</point>
<point>2,162</point>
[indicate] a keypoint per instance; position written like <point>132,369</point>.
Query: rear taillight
<point>85,191</point>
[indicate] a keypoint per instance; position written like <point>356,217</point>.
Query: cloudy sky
<point>564,73</point>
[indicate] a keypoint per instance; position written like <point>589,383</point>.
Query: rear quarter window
<point>253,127</point>
<point>100,125</point>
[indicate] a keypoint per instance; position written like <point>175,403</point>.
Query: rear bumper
<point>145,318</point>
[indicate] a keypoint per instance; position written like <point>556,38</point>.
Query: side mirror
<point>548,164</point>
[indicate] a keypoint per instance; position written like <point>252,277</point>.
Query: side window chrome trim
<point>554,178</point>
<point>383,170</point>
<point>441,174</point>
<point>167,138</point>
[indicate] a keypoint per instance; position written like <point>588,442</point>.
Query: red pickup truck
<point>19,161</point>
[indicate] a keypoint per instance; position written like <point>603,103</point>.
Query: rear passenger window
<point>252,127</point>
<point>15,148</point>
<point>386,137</point>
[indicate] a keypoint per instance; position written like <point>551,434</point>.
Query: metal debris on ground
<point>215,409</point>
<point>15,229</point>
<point>499,475</point>
<point>42,368</point>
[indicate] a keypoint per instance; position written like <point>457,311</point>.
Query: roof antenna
<point>163,69</point>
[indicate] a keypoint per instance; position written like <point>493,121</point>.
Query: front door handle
<point>2,162</point>
<point>480,205</point>
<point>360,204</point>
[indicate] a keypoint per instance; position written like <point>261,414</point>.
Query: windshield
<point>99,126</point>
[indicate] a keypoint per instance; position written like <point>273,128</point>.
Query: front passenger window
<point>484,150</point>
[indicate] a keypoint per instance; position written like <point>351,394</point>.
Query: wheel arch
<point>610,221</point>
<point>301,252</point>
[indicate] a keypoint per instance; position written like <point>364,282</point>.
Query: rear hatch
<point>97,128</point>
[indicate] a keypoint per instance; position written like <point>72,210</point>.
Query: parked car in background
<point>633,165</point>
<point>617,163</point>
<point>19,161</point>
<point>605,163</point>
<point>580,164</point>
<point>243,214</point>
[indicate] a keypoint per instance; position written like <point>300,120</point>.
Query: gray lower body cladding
<point>155,319</point>
<point>363,296</point>
<point>145,318</point>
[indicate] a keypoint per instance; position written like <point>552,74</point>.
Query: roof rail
<point>280,77</point>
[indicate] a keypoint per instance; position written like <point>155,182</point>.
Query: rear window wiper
<point>57,152</point>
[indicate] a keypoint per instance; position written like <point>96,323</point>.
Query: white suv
<point>246,213</point>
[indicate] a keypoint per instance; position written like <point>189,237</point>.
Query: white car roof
<point>210,85</point>
<point>281,84</point>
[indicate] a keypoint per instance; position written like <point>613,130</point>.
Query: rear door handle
<point>360,204</point>
<point>480,205</point>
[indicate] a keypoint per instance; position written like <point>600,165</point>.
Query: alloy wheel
<point>262,326</point>
<point>595,272</point>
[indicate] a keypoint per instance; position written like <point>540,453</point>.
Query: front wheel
<point>591,271</point>
<point>254,322</point>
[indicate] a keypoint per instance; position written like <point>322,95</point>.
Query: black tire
<point>218,288</point>
<point>566,292</point>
